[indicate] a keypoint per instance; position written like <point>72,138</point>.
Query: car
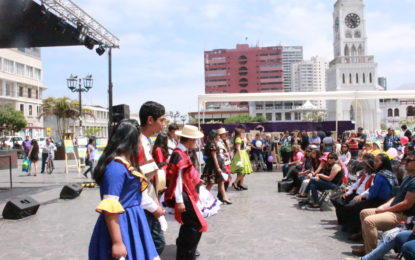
<point>9,141</point>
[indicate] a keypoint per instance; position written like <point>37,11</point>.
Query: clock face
<point>352,20</point>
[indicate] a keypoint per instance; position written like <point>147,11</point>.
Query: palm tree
<point>63,109</point>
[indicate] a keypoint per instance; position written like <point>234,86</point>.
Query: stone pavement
<point>261,223</point>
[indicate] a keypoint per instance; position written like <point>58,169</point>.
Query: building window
<point>8,89</point>
<point>410,111</point>
<point>396,114</point>
<point>37,110</point>
<point>287,116</point>
<point>30,110</point>
<point>344,79</point>
<point>20,69</point>
<point>357,34</point>
<point>278,117</point>
<point>29,71</point>
<point>297,116</point>
<point>390,112</point>
<point>8,66</point>
<point>38,74</point>
<point>268,116</point>
<point>357,78</point>
<point>364,78</point>
<point>370,77</point>
<point>348,34</point>
<point>243,71</point>
<point>350,78</point>
<point>29,93</point>
<point>20,91</point>
<point>259,114</point>
<point>243,59</point>
<point>243,91</point>
<point>22,108</point>
<point>37,94</point>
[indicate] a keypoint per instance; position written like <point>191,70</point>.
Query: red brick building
<point>244,70</point>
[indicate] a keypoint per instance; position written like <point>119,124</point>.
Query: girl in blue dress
<point>121,229</point>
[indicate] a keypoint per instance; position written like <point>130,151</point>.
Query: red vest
<point>190,176</point>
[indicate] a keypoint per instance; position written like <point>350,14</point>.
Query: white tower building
<point>352,69</point>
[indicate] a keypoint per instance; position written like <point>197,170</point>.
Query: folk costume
<point>121,193</point>
<point>241,165</point>
<point>150,202</point>
<point>183,187</point>
<point>210,173</point>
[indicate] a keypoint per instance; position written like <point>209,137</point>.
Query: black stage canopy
<point>25,23</point>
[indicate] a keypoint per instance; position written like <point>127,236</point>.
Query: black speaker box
<point>71,191</point>
<point>20,207</point>
<point>120,112</point>
<point>285,185</point>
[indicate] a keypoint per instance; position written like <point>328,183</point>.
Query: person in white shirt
<point>48,151</point>
<point>152,118</point>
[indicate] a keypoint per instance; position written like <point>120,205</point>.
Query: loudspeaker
<point>120,112</point>
<point>285,185</point>
<point>71,191</point>
<point>20,207</point>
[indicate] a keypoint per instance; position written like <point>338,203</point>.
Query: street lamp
<point>174,115</point>
<point>72,82</point>
<point>183,118</point>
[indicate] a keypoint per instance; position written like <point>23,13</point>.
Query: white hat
<point>222,130</point>
<point>190,131</point>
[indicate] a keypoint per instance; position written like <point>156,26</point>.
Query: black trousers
<point>293,174</point>
<point>156,232</point>
<point>339,203</point>
<point>189,235</point>
<point>44,158</point>
<point>351,212</point>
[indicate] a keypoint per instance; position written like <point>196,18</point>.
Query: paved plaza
<point>261,223</point>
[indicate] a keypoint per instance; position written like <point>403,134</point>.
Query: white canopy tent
<point>299,96</point>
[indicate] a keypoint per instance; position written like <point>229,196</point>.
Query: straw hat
<point>222,131</point>
<point>190,131</point>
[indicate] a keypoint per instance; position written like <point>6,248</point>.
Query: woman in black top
<point>34,157</point>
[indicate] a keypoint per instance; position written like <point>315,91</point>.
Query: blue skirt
<point>135,234</point>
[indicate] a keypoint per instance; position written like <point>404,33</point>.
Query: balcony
<point>352,60</point>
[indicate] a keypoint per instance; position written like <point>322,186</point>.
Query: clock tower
<point>352,69</point>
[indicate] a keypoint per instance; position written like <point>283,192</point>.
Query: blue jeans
<point>399,242</point>
<point>320,185</point>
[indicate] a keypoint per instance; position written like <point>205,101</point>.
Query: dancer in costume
<point>241,165</point>
<point>183,194</point>
<point>152,117</point>
<point>225,154</point>
<point>121,229</point>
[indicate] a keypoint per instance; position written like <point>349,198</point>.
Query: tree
<point>63,109</point>
<point>245,119</point>
<point>314,116</point>
<point>10,118</point>
<point>91,131</point>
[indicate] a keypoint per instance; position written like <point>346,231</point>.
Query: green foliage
<point>91,131</point>
<point>245,119</point>
<point>11,118</point>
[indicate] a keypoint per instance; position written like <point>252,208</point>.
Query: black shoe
<point>243,187</point>
<point>86,175</point>
<point>197,253</point>
<point>42,172</point>
<point>236,187</point>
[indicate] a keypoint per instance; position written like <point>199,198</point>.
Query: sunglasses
<point>308,151</point>
<point>331,158</point>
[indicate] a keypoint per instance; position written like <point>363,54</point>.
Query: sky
<point>162,44</point>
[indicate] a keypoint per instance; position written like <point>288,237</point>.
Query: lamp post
<point>174,115</point>
<point>87,85</point>
<point>183,118</point>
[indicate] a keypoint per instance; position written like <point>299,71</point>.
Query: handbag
<point>26,165</point>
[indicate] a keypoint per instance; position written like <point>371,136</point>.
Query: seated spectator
<point>330,178</point>
<point>341,199</point>
<point>376,148</point>
<point>328,143</point>
<point>390,214</point>
<point>297,174</point>
<point>296,162</point>
<point>344,154</point>
<point>375,196</point>
<point>319,162</point>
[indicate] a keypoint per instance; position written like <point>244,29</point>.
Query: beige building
<point>21,85</point>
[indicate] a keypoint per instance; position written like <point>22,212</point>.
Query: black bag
<point>285,185</point>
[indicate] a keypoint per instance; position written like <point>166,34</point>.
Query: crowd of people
<point>141,179</point>
<point>372,186</point>
<point>33,152</point>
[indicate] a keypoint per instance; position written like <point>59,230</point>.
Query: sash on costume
<point>133,171</point>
